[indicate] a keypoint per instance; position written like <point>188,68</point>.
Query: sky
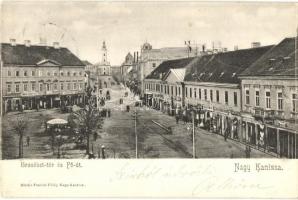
<point>125,26</point>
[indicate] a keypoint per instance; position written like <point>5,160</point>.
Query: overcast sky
<point>82,26</point>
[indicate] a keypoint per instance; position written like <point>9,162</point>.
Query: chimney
<point>13,42</point>
<point>27,43</point>
<point>255,44</point>
<point>235,47</point>
<point>56,45</point>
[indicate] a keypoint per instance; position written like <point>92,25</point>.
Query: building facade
<point>36,77</point>
<point>269,100</point>
<point>151,58</point>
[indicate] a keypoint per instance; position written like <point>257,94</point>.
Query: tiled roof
<point>22,55</point>
<point>166,66</point>
<point>167,53</point>
<point>279,60</point>
<point>223,67</point>
<point>86,62</point>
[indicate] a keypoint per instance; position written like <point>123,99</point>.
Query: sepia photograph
<point>148,81</point>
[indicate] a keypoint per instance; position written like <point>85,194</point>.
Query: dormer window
<point>222,73</point>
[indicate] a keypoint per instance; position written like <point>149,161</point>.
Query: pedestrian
<point>247,151</point>
<point>28,141</point>
<point>109,112</point>
<point>184,116</point>
<point>103,152</point>
<point>94,136</point>
<point>177,119</point>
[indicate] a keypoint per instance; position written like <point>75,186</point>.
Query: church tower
<point>104,54</point>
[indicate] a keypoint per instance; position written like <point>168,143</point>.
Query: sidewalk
<point>208,144</point>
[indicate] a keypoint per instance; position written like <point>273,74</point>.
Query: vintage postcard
<point>149,99</point>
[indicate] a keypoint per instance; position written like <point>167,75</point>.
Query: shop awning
<point>57,121</point>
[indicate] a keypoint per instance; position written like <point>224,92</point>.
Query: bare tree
<point>87,119</point>
<point>19,126</point>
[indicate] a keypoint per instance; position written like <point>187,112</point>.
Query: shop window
<point>257,98</point>
<point>226,97</point>
<point>295,102</point>
<point>268,100</point>
<point>280,101</point>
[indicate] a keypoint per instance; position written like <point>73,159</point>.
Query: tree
<point>87,119</point>
<point>19,126</point>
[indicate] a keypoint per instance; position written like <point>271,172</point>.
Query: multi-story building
<point>151,58</point>
<point>164,86</point>
<point>213,86</point>
<point>40,76</point>
<point>127,67</point>
<point>270,100</point>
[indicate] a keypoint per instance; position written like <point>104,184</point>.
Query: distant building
<point>255,44</point>
<point>89,66</point>
<point>151,58</point>
<point>127,67</point>
<point>103,67</point>
<point>40,76</point>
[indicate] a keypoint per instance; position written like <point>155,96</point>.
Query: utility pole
<point>135,117</point>
<point>193,136</point>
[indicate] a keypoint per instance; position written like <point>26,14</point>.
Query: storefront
<point>269,136</point>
